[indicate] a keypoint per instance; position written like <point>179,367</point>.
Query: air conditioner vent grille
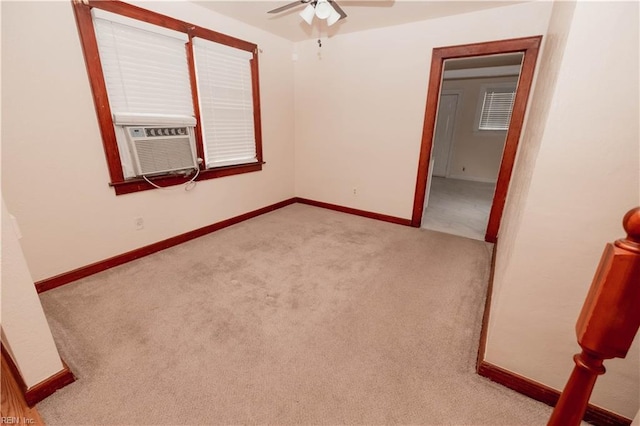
<point>161,155</point>
<point>158,150</point>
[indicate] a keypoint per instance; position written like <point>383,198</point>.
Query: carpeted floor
<point>459,207</point>
<point>299,316</point>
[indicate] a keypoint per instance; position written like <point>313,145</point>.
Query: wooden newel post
<point>608,322</point>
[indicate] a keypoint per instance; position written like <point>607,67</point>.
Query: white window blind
<point>225,94</point>
<point>496,109</point>
<point>146,72</point>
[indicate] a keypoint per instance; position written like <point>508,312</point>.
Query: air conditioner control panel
<point>151,132</point>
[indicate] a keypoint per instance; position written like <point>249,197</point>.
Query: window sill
<point>137,184</point>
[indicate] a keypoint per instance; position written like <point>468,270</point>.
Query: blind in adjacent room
<point>223,75</point>
<point>146,72</point>
<point>496,109</point>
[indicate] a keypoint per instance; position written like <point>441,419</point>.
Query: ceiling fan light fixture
<point>307,13</point>
<point>334,17</point>
<point>323,9</point>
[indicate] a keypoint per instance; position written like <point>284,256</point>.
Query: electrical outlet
<point>138,222</point>
<point>355,191</point>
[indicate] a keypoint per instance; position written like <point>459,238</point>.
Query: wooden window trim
<point>89,44</point>
<point>138,184</point>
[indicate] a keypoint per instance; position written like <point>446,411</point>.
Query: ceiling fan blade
<point>338,9</point>
<point>288,6</point>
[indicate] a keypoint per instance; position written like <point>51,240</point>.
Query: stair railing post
<point>608,322</point>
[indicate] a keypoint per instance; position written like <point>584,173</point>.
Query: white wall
<point>567,201</point>
<point>475,155</point>
<point>360,102</point>
<point>24,327</point>
<point>54,171</point>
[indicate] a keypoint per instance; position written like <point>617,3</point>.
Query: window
<point>226,103</point>
<point>497,104</point>
<point>151,74</point>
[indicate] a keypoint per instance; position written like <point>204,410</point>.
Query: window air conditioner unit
<point>161,149</point>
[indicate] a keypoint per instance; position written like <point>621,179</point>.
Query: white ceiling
<point>362,14</point>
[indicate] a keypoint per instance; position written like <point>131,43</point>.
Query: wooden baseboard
<point>37,393</point>
<point>487,308</point>
<point>363,213</point>
<point>40,391</point>
<point>595,415</point>
<point>102,265</point>
<point>472,179</point>
<point>85,271</point>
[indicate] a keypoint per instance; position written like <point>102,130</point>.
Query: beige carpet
<point>459,207</point>
<point>299,316</point>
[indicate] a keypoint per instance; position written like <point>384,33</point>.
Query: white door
<point>444,133</point>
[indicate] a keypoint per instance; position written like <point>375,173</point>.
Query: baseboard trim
<point>94,268</point>
<point>37,393</point>
<point>102,265</point>
<point>472,179</point>
<point>357,212</point>
<point>40,391</point>
<point>482,345</point>
<point>594,415</point>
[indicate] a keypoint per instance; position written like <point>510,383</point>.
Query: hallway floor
<point>458,207</point>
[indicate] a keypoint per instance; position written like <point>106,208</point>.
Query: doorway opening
<point>471,127</point>
<point>438,158</point>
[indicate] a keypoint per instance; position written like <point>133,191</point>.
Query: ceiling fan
<point>323,9</point>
